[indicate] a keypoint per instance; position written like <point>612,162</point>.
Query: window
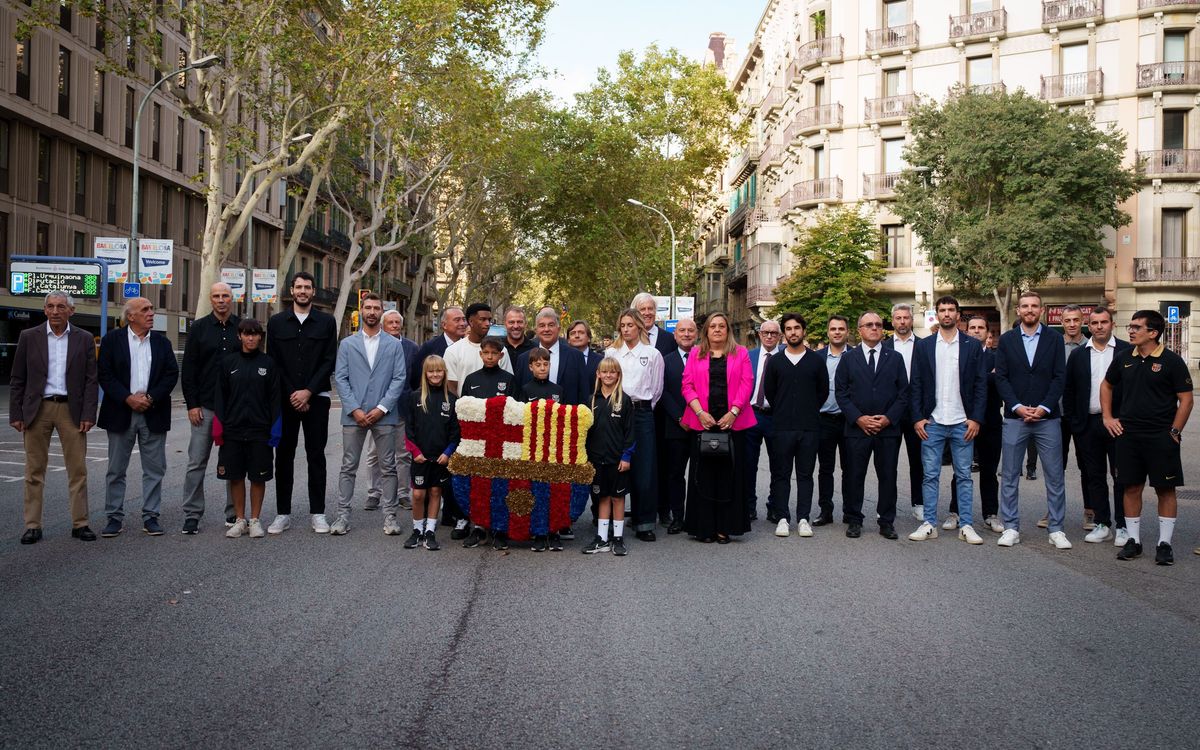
<point>164,214</point>
<point>43,238</point>
<point>178,144</point>
<point>981,6</point>
<point>895,246</point>
<point>81,163</point>
<point>1174,128</point>
<point>895,13</point>
<point>818,162</point>
<point>156,132</point>
<point>4,155</point>
<point>820,93</point>
<point>185,282</point>
<point>817,22</point>
<point>98,85</point>
<point>43,170</point>
<point>4,250</point>
<point>79,245</point>
<point>979,71</point>
<point>187,221</point>
<point>1175,44</point>
<point>129,105</point>
<point>101,35</point>
<point>893,161</point>
<point>64,14</point>
<point>64,82</point>
<point>110,187</point>
<point>24,52</point>
<point>130,51</point>
<point>1174,233</point>
<point>893,82</point>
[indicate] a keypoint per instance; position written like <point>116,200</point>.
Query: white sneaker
<point>256,529</point>
<point>391,527</point>
<point>919,512</point>
<point>968,535</point>
<point>782,528</point>
<point>340,526</point>
<point>993,523</point>
<point>1121,537</point>
<point>320,524</point>
<point>804,528</point>
<point>1059,540</point>
<point>1009,538</point>
<point>237,529</point>
<point>1099,534</point>
<point>281,524</point>
<point>924,531</point>
<point>951,522</point>
<point>460,524</point>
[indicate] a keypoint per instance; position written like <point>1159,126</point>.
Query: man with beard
<point>393,325</point>
<point>516,339</point>
<point>904,342</point>
<point>833,426</point>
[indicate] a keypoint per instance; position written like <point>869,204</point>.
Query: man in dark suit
<point>904,341</point>
<point>674,448</point>
<point>769,336</point>
<point>454,327</point>
<point>579,336</point>
<point>1086,368</point>
<point>832,448</point>
<point>137,372</point>
<point>1030,371</point>
<point>53,387</point>
<point>872,392</point>
<point>566,364</point>
<point>647,310</point>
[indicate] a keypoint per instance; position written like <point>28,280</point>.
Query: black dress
<point>716,498</point>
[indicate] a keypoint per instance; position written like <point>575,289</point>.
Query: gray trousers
<point>199,448</point>
<point>1046,435</point>
<point>403,469</point>
<point>152,449</point>
<point>353,438</point>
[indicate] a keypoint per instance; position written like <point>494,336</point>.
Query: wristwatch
<point>1175,433</point>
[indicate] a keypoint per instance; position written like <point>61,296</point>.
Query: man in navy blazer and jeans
<point>1030,375</point>
<point>872,392</point>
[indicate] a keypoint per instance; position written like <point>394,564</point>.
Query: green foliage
<point>1017,190</point>
<point>837,268</point>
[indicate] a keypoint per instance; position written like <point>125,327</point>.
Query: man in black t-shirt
<point>1155,399</point>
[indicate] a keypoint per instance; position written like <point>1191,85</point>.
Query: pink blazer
<point>741,386</point>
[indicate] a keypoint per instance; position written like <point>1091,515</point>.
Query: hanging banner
<point>156,261</point>
<point>685,307</point>
<point>236,279</point>
<point>114,250</point>
<point>266,285</point>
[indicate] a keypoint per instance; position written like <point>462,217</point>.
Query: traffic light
<point>354,320</point>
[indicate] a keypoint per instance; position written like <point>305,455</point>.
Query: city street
<point>306,640</point>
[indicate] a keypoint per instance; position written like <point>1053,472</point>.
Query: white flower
<point>470,409</point>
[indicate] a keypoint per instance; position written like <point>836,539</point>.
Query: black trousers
<point>673,456</point>
<point>643,471</point>
<point>790,448</point>
<point>762,431</point>
<point>1099,451</point>
<point>315,423</point>
<point>1067,435</point>
<point>916,469</point>
<point>987,452</point>
<point>859,451</point>
<point>832,445</point>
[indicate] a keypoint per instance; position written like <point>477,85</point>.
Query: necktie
<point>761,401</point>
<point>871,361</point>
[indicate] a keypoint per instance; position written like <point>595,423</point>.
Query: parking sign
<point>1173,314</point>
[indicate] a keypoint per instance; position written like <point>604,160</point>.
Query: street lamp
<point>639,204</point>
<point>204,62</point>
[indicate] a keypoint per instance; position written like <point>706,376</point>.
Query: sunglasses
<point>871,325</point>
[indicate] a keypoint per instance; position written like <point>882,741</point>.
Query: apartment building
<point>827,87</point>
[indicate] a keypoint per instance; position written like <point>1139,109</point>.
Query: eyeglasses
<point>871,325</point>
<point>1134,329</point>
<point>768,333</point>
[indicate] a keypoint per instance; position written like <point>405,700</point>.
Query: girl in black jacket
<point>610,449</point>
<point>431,435</point>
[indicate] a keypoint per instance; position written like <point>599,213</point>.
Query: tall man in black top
<point>796,384</point>
<point>209,340</point>
<point>675,448</point>
<point>303,342</point>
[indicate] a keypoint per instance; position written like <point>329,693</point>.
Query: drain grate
<point>1183,494</point>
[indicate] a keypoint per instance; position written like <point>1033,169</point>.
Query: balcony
<point>772,157</point>
<point>990,24</point>
<point>1171,163</point>
<point>716,253</point>
<point>1063,14</point>
<point>760,216</point>
<point>826,49</point>
<point>989,88</point>
<point>881,185</point>
<point>325,296</point>
<point>735,275</point>
<point>812,192</point>
<point>401,289</point>
<point>1166,269</point>
<point>771,103</point>
<point>339,240</point>
<point>814,119</point>
<point>793,76</point>
<point>737,220</point>
<point>889,107</point>
<point>892,39</point>
<point>1148,6</point>
<point>745,163</point>
<point>1073,86</point>
<point>1169,75</point>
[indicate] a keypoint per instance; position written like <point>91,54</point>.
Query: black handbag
<point>715,443</point>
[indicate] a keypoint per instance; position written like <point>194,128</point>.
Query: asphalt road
<point>307,640</point>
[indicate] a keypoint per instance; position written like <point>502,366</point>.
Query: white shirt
<point>795,358</point>
<point>1101,359</point>
<point>462,359</point>
<point>878,349</point>
<point>56,369</point>
<point>683,354</point>
<point>139,362</point>
<point>300,316</point>
<point>905,349</point>
<point>641,371</point>
<point>371,344</point>
<point>948,409</point>
<point>652,332</point>
<point>554,358</point>
<point>762,368</point>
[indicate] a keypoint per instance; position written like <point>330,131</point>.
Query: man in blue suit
<point>769,336</point>
<point>567,369</point>
<point>1030,375</point>
<point>137,372</point>
<point>579,336</point>
<point>948,397</point>
<point>370,377</point>
<point>454,327</point>
<point>872,392</point>
<point>393,325</point>
<point>674,448</point>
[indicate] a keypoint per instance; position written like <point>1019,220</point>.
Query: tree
<point>837,268</point>
<point>1016,190</point>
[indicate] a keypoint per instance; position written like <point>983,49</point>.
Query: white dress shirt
<point>371,344</point>
<point>652,333</point>
<point>904,347</point>
<point>948,409</point>
<point>762,368</point>
<point>866,351</point>
<point>1101,359</point>
<point>641,371</point>
<point>56,370</point>
<point>555,356</point>
<point>139,362</point>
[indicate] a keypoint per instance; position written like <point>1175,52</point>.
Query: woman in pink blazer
<point>717,384</point>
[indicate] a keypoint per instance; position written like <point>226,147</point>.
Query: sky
<point>583,36</point>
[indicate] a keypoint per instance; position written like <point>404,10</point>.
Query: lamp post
<point>205,62</point>
<point>639,204</point>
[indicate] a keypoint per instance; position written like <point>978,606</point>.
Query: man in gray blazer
<point>369,376</point>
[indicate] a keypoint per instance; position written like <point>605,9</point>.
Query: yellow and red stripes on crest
<point>555,433</point>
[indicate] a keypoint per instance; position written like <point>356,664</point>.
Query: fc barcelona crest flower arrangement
<point>521,468</point>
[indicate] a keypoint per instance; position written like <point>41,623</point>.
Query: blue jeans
<point>961,455</point>
<point>1047,437</point>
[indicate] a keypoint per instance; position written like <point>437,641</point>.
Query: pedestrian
<point>431,437</point>
<point>948,399</point>
<point>1073,340</point>
<point>209,339</point>
<point>567,368</point>
<point>675,449</point>
<point>579,337</point>
<point>647,310</point>
<point>769,335</point>
<point>53,388</point>
<point>370,377</point>
<point>1145,399</point>
<point>462,357</point>
<point>250,424</point>
<point>872,391</point>
<point>610,448</point>
<point>303,342</point>
<point>903,341</point>
<point>796,383</point>
<point>987,443</point>
<point>538,384</point>
<point>393,325</point>
<point>516,340</point>
<point>1030,371</point>
<point>716,387</point>
<point>642,380</point>
<point>137,372</point>
<point>832,448</point>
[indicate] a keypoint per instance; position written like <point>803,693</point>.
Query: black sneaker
<point>565,533</point>
<point>430,540</point>
<point>152,527</point>
<point>539,544</point>
<point>111,529</point>
<point>191,526</point>
<point>230,521</point>
<point>1031,474</point>
<point>618,547</point>
<point>459,534</point>
<point>413,541</point>
<point>1163,554</point>
<point>556,544</point>
<point>597,545</point>
<point>499,541</point>
<point>1131,550</point>
<point>477,537</point>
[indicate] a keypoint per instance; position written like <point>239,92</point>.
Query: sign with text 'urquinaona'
<point>31,279</point>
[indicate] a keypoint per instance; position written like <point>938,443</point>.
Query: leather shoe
<point>646,536</point>
<point>823,520</point>
<point>772,518</point>
<point>854,531</point>
<point>31,536</point>
<point>887,531</point>
<point>84,534</point>
<point>675,527</point>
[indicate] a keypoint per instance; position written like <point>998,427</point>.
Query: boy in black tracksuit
<point>540,386</point>
<point>492,380</point>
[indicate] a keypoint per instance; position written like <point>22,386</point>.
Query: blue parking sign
<point>1173,314</point>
